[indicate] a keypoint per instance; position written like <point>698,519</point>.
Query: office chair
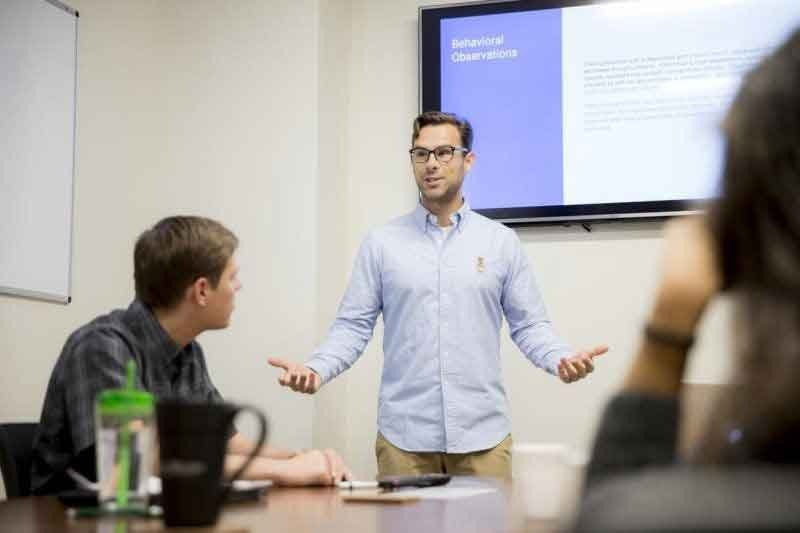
<point>16,453</point>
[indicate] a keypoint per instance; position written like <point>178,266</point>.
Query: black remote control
<point>422,480</point>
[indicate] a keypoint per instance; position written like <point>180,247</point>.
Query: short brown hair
<point>174,253</point>
<point>434,118</point>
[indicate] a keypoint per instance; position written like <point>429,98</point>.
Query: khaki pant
<point>495,462</point>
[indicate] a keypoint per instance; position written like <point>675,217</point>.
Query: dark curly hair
<point>434,118</point>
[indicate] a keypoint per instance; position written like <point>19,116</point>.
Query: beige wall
<point>289,121</point>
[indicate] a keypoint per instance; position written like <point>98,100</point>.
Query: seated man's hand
<point>297,377</point>
<point>314,467</point>
<point>578,366</point>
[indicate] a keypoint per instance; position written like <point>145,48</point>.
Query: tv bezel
<point>429,63</point>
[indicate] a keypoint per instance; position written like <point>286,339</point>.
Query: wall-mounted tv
<point>591,110</point>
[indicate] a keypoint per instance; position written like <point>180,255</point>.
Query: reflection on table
<point>308,509</point>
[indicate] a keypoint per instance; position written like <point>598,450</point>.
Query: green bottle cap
<point>125,402</point>
<point>129,401</point>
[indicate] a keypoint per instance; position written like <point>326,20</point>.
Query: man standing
<point>186,280</point>
<point>443,276</point>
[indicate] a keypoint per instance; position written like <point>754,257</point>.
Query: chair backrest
<point>16,453</point>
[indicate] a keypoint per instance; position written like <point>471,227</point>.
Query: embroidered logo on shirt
<point>481,265</point>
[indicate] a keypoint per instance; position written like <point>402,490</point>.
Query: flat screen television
<point>593,110</point>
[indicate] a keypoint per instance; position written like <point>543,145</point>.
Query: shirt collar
<point>425,219</point>
<point>155,338</point>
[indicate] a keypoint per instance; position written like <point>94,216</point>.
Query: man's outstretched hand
<point>297,377</point>
<point>581,364</point>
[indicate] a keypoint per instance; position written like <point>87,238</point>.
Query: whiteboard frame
<point>37,295</point>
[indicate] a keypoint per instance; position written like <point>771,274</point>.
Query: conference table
<point>299,510</point>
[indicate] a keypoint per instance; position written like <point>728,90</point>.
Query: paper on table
<point>451,493</point>
<point>406,495</point>
<point>379,495</point>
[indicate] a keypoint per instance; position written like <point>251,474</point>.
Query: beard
<point>440,195</point>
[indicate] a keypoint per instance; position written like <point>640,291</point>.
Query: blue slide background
<point>514,106</point>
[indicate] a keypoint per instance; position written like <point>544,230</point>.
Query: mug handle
<point>262,436</point>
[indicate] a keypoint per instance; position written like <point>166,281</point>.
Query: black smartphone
<point>422,480</point>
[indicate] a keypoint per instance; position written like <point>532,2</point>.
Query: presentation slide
<point>606,103</point>
<point>503,72</point>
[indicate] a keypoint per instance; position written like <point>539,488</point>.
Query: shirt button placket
<point>443,348</point>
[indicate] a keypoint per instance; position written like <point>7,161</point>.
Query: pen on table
<point>358,485</point>
<point>82,482</point>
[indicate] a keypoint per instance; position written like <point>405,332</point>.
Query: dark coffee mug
<point>193,438</point>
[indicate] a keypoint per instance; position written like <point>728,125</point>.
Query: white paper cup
<point>548,476</point>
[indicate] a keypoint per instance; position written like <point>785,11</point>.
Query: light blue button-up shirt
<point>443,296</point>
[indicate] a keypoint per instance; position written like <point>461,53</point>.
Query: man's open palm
<point>297,377</point>
<point>579,365</point>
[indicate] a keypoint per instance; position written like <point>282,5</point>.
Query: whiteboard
<point>38,61</point>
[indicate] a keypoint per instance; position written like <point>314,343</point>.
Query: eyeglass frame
<point>428,157</point>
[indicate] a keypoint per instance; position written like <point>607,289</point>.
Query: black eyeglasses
<point>443,153</point>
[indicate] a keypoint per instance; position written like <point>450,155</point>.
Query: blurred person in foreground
<point>743,472</point>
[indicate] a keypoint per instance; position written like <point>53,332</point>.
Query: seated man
<point>186,283</point>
